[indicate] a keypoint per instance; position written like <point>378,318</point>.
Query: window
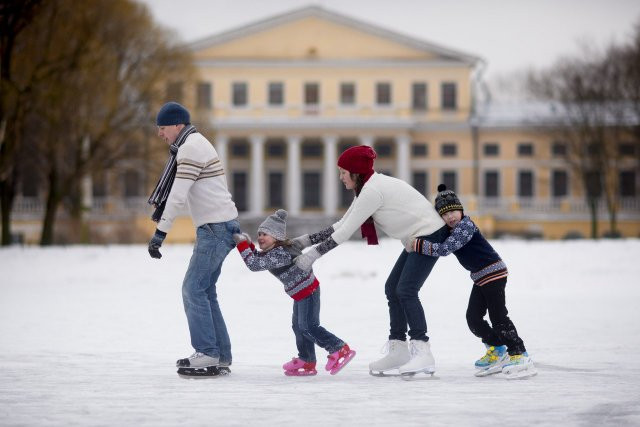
<point>203,95</point>
<point>420,182</point>
<point>419,96</point>
<point>99,185</point>
<point>312,148</point>
<point>419,150</point>
<point>594,184</point>
<point>525,149</point>
<point>131,183</point>
<point>383,93</point>
<point>449,149</point>
<point>491,184</point>
<point>275,148</point>
<point>347,93</point>
<point>346,143</point>
<point>239,94</point>
<point>559,149</point>
<point>449,178</point>
<point>174,92</point>
<point>240,190</point>
<point>384,148</point>
<point>239,147</point>
<point>276,93</point>
<point>491,150</point>
<point>276,186</point>
<point>346,196</point>
<point>559,183</point>
<point>311,189</point>
<point>627,184</point>
<point>311,94</point>
<point>525,184</point>
<point>627,149</point>
<point>449,101</point>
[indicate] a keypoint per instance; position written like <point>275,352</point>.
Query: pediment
<point>315,33</point>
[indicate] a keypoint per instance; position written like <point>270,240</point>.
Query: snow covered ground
<point>89,336</point>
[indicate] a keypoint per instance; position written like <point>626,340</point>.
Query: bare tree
<point>115,62</point>
<point>592,96</point>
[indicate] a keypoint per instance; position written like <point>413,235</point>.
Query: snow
<point>89,336</point>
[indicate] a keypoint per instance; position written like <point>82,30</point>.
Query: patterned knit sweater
<point>298,284</point>
<point>472,250</point>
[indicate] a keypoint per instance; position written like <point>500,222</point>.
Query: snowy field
<point>89,336</point>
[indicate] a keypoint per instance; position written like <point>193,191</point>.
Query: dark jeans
<point>402,287</point>
<point>306,327</point>
<point>491,297</point>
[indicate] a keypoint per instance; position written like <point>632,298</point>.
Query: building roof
<point>340,19</point>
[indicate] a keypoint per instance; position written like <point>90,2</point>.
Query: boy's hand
<point>410,246</point>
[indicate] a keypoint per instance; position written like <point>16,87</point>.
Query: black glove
<point>155,243</point>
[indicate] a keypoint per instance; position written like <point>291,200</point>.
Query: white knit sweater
<point>200,186</point>
<point>398,209</point>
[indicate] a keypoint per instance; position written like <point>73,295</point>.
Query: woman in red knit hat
<point>401,212</point>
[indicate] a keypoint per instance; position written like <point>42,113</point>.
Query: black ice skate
<point>208,372</point>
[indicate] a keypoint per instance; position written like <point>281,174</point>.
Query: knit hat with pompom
<point>275,225</point>
<point>447,201</point>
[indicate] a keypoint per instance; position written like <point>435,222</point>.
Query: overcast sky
<point>509,34</point>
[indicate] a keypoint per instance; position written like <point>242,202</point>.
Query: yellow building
<point>287,94</point>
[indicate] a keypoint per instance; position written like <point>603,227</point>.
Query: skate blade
<point>491,371</point>
<point>521,375</point>
<point>412,376</point>
<point>203,373</point>
<point>300,373</point>
<point>345,360</point>
<point>382,374</point>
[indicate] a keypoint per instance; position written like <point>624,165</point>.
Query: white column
<point>256,205</point>
<point>366,140</point>
<point>403,168</point>
<point>330,174</point>
<point>293,175</point>
<point>221,143</point>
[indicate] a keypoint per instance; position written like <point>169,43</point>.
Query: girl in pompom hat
<point>401,212</point>
<point>276,256</point>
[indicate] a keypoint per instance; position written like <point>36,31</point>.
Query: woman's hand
<point>301,242</point>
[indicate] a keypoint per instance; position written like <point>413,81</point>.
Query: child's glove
<point>306,260</point>
<point>241,237</point>
<point>155,243</point>
<point>301,242</point>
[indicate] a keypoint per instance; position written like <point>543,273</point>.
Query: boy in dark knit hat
<point>276,256</point>
<point>505,350</point>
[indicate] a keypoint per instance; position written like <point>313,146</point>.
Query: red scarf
<point>368,228</point>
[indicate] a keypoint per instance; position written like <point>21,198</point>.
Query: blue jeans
<point>402,287</point>
<point>306,327</point>
<point>206,324</point>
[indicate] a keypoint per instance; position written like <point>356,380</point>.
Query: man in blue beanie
<point>194,178</point>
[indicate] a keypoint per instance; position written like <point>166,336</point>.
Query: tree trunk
<point>53,200</point>
<point>593,207</point>
<point>7,195</point>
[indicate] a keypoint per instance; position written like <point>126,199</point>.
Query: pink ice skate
<point>339,359</point>
<point>299,368</point>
